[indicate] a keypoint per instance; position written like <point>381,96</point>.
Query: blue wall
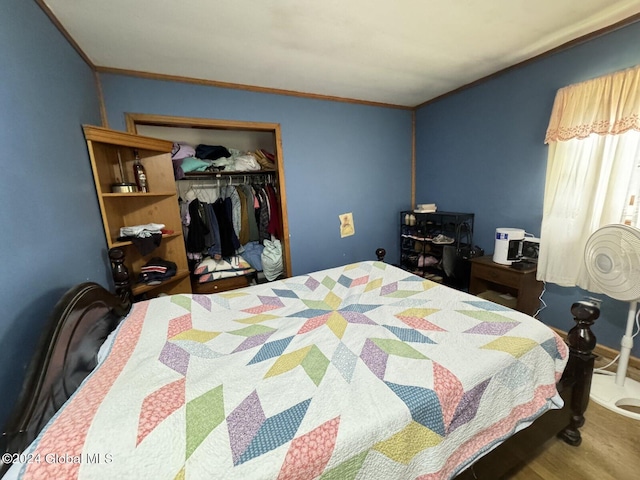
<point>481,150</point>
<point>339,157</point>
<point>52,235</point>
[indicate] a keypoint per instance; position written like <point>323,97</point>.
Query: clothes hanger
<point>191,194</point>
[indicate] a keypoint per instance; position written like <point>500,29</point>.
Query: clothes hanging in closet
<point>221,207</point>
<point>241,214</point>
<point>197,228</point>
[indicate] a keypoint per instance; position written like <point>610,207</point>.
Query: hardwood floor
<point>610,449</point>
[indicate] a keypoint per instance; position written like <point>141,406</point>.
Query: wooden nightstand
<point>495,281</point>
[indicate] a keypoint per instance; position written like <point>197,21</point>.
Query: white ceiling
<point>401,52</point>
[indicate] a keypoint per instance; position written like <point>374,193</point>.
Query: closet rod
<point>227,180</point>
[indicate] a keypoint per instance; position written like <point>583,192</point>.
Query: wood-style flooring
<point>610,449</point>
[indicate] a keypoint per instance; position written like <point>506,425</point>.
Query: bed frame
<point>87,313</point>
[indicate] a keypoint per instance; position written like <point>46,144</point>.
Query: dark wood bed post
<point>581,341</point>
<point>120,274</point>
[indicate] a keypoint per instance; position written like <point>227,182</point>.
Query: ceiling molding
<point>251,88</point>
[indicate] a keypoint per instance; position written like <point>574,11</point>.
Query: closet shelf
<point>116,244</point>
<point>225,173</point>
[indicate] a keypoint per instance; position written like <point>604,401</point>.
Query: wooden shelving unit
<point>159,205</point>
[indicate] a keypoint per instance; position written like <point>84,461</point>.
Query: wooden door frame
<point>132,120</point>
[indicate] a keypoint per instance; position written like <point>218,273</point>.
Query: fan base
<point>605,392</point>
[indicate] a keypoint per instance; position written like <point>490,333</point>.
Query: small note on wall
<point>346,225</point>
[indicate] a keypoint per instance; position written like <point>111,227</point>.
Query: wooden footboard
<point>574,387</point>
<point>579,370</point>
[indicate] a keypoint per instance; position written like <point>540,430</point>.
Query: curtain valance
<point>607,105</point>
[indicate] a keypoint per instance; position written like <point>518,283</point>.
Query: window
<point>593,171</point>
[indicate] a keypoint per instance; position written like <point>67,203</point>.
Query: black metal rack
<point>434,245</point>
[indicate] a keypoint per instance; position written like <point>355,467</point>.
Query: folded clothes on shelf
<point>146,238</point>
<point>425,208</point>
<point>141,230</point>
<point>156,270</point>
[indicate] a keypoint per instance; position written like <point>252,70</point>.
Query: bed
<point>359,371</point>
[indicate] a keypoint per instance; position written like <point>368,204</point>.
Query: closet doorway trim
<point>132,120</point>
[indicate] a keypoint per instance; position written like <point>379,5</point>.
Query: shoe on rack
<point>410,260</point>
<point>443,240</point>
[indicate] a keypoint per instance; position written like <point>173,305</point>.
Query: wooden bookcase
<point>159,205</point>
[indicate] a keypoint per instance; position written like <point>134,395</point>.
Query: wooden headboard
<point>65,355</point>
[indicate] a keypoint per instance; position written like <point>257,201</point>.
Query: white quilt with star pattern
<point>361,371</point>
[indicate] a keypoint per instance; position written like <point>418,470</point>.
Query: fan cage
<point>612,259</point>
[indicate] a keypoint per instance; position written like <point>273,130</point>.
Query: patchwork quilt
<point>361,371</point>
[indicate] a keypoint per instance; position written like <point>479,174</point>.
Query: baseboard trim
<point>603,351</point>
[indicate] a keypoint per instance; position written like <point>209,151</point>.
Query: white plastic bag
<point>272,259</point>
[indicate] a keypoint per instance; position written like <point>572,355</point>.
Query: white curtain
<point>592,171</point>
<point>631,213</point>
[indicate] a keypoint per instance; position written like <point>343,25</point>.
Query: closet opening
<point>218,180</point>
